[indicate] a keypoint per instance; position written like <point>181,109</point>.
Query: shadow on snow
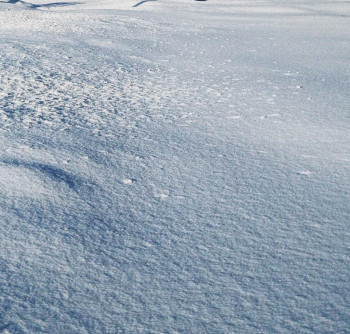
<point>142,2</point>
<point>47,5</point>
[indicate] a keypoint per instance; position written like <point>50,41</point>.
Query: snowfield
<point>174,166</point>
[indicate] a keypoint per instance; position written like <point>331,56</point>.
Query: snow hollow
<point>174,166</point>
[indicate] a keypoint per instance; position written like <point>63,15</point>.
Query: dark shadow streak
<point>140,3</point>
<point>55,4</point>
<point>54,173</point>
<point>47,5</point>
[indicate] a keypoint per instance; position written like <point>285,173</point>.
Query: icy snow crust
<point>174,166</point>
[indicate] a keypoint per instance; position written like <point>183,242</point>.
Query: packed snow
<point>174,166</point>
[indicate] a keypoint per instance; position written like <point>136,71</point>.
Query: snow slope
<point>174,166</point>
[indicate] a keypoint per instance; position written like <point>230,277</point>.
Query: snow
<point>174,166</point>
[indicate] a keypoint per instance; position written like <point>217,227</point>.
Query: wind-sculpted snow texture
<point>174,166</point>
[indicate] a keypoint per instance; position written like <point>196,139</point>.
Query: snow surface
<point>174,166</point>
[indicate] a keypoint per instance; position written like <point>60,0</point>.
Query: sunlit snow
<point>174,166</point>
